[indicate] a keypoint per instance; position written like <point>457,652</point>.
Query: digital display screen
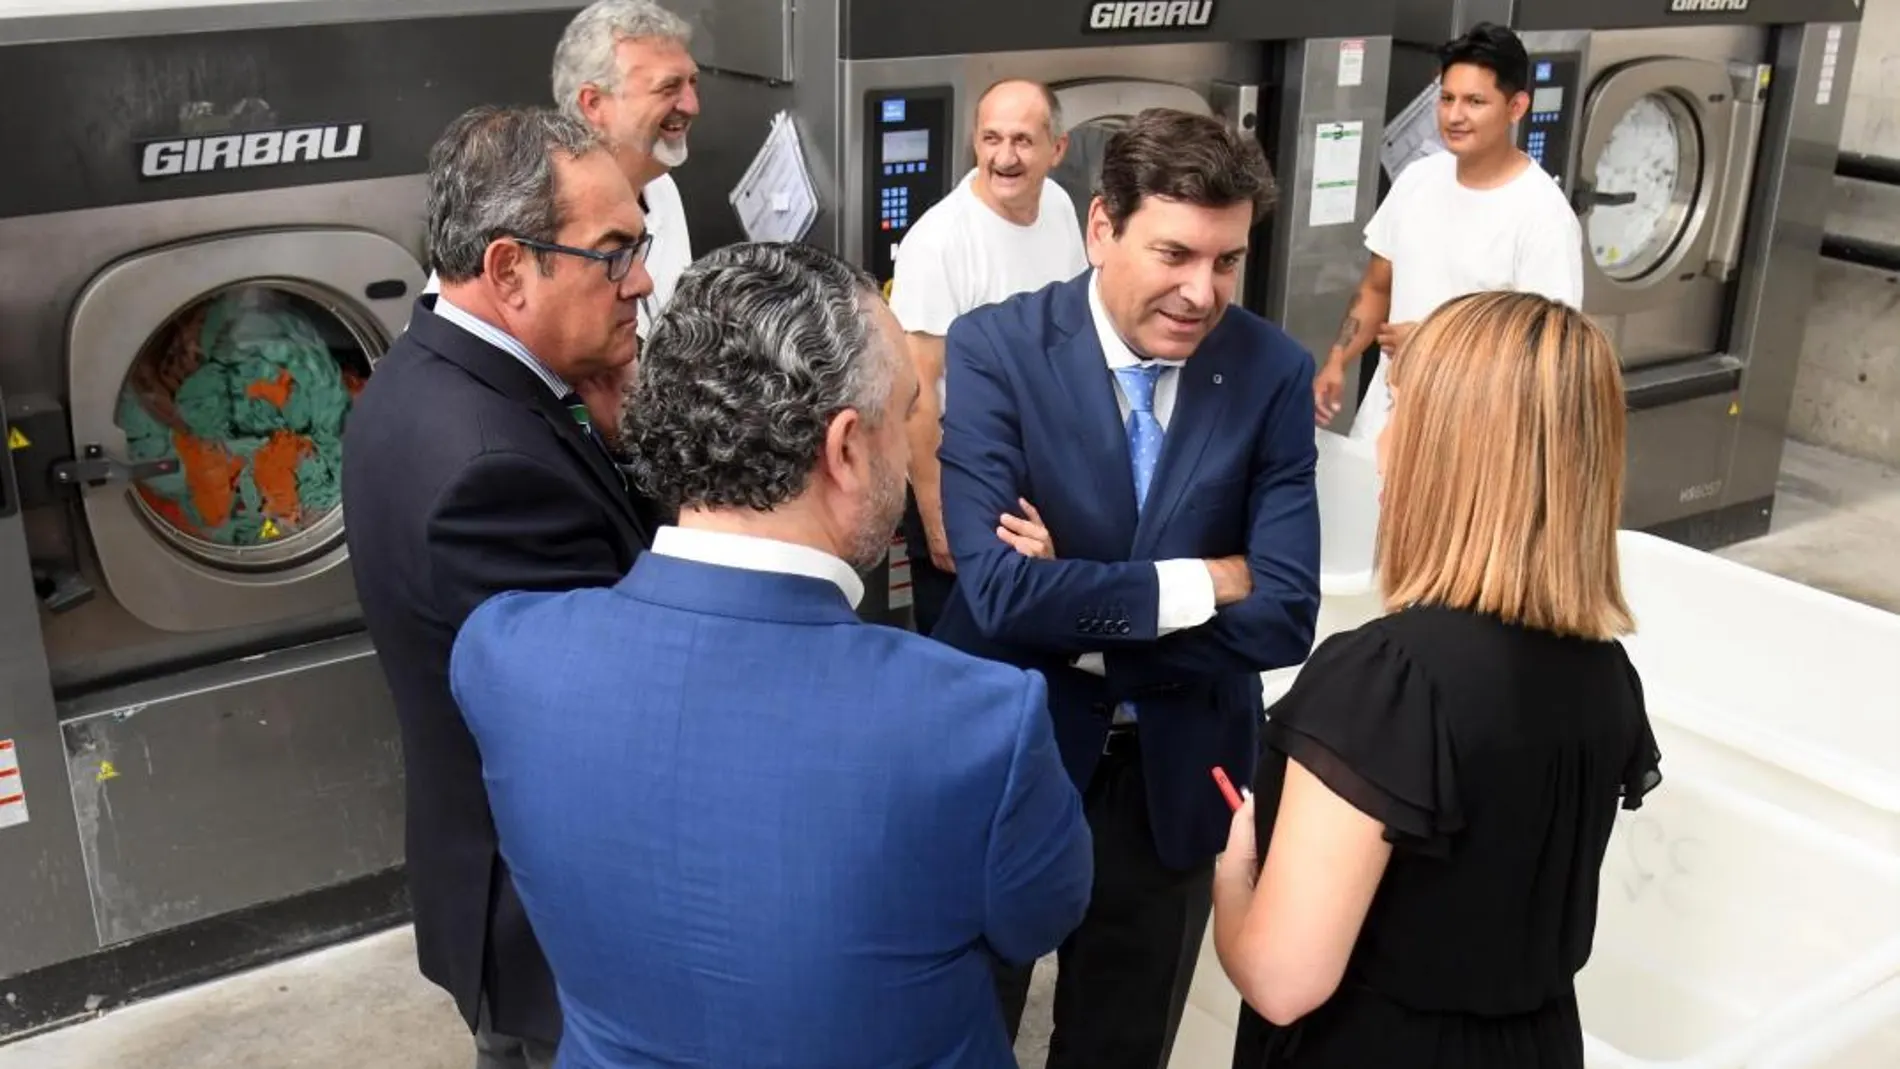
<point>1543,75</point>
<point>893,111</point>
<point>906,146</point>
<point>1548,98</point>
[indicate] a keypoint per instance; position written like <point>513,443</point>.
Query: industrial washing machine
<point>1696,139</point>
<point>208,236</point>
<point>884,95</point>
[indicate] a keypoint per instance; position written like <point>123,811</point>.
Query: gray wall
<point>1847,394</point>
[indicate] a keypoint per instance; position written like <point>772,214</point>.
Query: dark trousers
<point>1122,978</point>
<point>929,585</point>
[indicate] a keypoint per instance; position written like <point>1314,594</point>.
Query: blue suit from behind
<point>1032,413</point>
<point>751,830</point>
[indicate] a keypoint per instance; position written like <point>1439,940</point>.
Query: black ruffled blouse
<point>1496,757</point>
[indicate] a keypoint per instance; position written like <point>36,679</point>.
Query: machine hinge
<point>98,469</point>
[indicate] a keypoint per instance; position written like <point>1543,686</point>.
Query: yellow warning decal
<point>269,530</point>
<point>106,771</point>
<point>16,440</point>
<point>1734,408</point>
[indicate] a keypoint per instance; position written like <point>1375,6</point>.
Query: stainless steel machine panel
<point>232,771</point>
<point>166,573</point>
<point>1698,145</point>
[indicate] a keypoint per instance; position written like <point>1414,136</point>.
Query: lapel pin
<point>1217,380</point>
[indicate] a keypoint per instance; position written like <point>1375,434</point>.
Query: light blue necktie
<point>1144,431</point>
<point>1144,450</point>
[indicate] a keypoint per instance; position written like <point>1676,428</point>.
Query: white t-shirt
<point>672,248</point>
<point>667,257</point>
<point>1446,240</point>
<point>961,255</point>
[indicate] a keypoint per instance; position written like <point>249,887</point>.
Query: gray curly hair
<point>585,53</point>
<point>760,346</point>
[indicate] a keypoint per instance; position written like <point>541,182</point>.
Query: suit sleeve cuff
<point>1186,595</point>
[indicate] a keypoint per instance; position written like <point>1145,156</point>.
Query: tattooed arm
<point>1370,306</point>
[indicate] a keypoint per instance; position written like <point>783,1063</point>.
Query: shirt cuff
<point>1186,595</point>
<point>1092,664</point>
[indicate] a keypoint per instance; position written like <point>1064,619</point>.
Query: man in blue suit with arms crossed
<point>1128,492</point>
<point>748,828</point>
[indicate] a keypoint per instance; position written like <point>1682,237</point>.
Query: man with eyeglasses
<point>473,465</point>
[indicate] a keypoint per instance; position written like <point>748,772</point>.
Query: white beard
<point>670,154</point>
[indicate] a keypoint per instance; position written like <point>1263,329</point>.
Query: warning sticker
<point>16,440</point>
<point>12,793</point>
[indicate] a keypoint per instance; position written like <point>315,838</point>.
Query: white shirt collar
<point>500,339</point>
<point>1113,347</point>
<point>757,554</point>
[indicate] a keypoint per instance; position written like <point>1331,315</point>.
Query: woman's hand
<point>1240,860</point>
<point>1027,536</point>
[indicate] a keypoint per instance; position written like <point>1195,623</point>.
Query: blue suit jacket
<point>1032,413</point>
<point>750,829</point>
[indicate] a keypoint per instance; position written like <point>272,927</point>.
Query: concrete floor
<point>1837,527</point>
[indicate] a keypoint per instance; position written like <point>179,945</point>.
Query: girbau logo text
<point>1695,7</point>
<point>258,148</point>
<point>1150,14</point>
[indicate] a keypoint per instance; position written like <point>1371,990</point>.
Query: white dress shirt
<point>1186,587</point>
<point>672,249</point>
<point>757,554</point>
<point>502,340</point>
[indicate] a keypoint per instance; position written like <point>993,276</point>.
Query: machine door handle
<point>1587,198</point>
<point>98,469</point>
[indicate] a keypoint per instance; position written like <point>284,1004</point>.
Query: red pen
<point>1226,788</point>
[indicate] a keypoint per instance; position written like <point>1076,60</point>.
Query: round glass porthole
<point>249,388</point>
<point>1646,180</point>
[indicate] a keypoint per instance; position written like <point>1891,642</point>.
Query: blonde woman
<point>1436,792</point>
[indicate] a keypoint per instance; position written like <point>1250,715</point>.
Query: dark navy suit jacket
<point>1032,413</point>
<point>752,830</point>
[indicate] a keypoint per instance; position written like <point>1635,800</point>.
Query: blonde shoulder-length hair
<point>1504,467</point>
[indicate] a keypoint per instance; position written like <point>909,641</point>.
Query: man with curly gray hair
<point>748,827</point>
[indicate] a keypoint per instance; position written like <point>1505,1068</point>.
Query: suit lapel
<point>1200,405</point>
<point>1084,383</point>
<point>504,374</point>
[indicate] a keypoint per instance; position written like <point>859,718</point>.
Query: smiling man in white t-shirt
<point>1479,216</point>
<point>1005,229</point>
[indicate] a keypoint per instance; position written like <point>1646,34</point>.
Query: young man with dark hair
<point>1479,216</point>
<point>1128,489</point>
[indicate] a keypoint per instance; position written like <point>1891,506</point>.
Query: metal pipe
<point>1878,255</point>
<point>1868,168</point>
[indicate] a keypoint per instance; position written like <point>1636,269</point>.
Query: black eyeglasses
<point>619,261</point>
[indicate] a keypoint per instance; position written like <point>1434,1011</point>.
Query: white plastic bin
<point>1788,693</point>
<point>1347,484</point>
<point>1865,1034</point>
<point>1727,926</point>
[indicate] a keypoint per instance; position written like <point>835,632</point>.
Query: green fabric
<point>243,345</point>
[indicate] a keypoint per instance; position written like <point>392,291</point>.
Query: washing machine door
<point>1093,110</point>
<point>216,376</point>
<point>1659,190</point>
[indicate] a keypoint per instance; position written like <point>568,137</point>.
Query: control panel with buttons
<point>1545,133</point>
<point>907,167</point>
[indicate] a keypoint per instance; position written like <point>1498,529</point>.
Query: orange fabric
<point>211,473</point>
<point>353,383</point>
<point>276,391</point>
<point>274,469</point>
<point>169,511</point>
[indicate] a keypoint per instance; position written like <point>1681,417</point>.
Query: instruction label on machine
<point>1336,173</point>
<point>1352,63</point>
<point>12,794</point>
<point>1830,56</point>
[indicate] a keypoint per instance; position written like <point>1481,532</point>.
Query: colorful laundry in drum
<point>250,399</point>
